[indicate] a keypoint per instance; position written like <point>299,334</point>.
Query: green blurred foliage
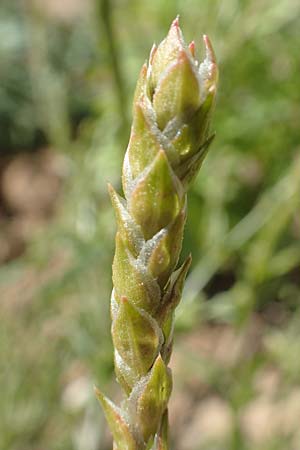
<point>66,80</point>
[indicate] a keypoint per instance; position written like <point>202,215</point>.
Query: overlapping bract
<point>169,139</point>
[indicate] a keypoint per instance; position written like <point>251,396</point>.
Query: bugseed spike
<point>168,142</point>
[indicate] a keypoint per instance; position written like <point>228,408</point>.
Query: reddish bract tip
<point>210,54</point>
<point>152,53</point>
<point>175,35</point>
<point>175,22</point>
<point>143,71</point>
<point>182,56</point>
<point>192,48</point>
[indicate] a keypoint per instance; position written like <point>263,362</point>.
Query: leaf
<point>166,53</point>
<point>157,198</point>
<point>190,169</point>
<point>132,281</point>
<point>177,93</point>
<point>171,244</point>
<point>164,254</point>
<point>125,375</point>
<point>141,84</point>
<point>154,398</point>
<point>144,144</point>
<point>137,337</point>
<point>168,330</point>
<point>123,438</point>
<point>173,295</point>
<point>130,232</point>
<point>192,135</point>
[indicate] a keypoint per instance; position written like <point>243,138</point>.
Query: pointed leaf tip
<point>136,336</point>
<point>141,84</point>
<point>119,428</point>
<point>130,280</point>
<point>173,293</point>
<point>129,231</point>
<point>210,56</point>
<point>192,48</point>
<point>154,398</point>
<point>157,197</point>
<point>177,93</point>
<point>152,53</point>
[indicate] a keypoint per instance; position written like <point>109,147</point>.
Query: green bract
<point>169,139</point>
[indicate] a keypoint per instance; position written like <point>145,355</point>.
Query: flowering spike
<point>169,139</point>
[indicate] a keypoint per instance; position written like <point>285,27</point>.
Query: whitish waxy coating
<point>169,139</point>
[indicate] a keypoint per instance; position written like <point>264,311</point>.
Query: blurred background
<point>67,75</point>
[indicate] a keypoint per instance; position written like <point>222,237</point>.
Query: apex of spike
<point>176,94</point>
<point>175,30</point>
<point>164,56</point>
<point>175,22</point>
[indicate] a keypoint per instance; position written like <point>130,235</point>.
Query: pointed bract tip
<point>159,359</point>
<point>110,188</point>
<point>210,54</point>
<point>192,48</point>
<point>183,56</point>
<point>124,299</point>
<point>175,22</point>
<point>98,393</point>
<point>174,37</point>
<point>111,191</point>
<point>152,53</point>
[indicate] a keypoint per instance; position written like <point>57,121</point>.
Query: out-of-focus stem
<point>105,15</point>
<point>48,88</point>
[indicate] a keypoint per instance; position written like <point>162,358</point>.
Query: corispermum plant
<point>170,136</point>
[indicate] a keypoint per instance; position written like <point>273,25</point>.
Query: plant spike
<point>169,139</point>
